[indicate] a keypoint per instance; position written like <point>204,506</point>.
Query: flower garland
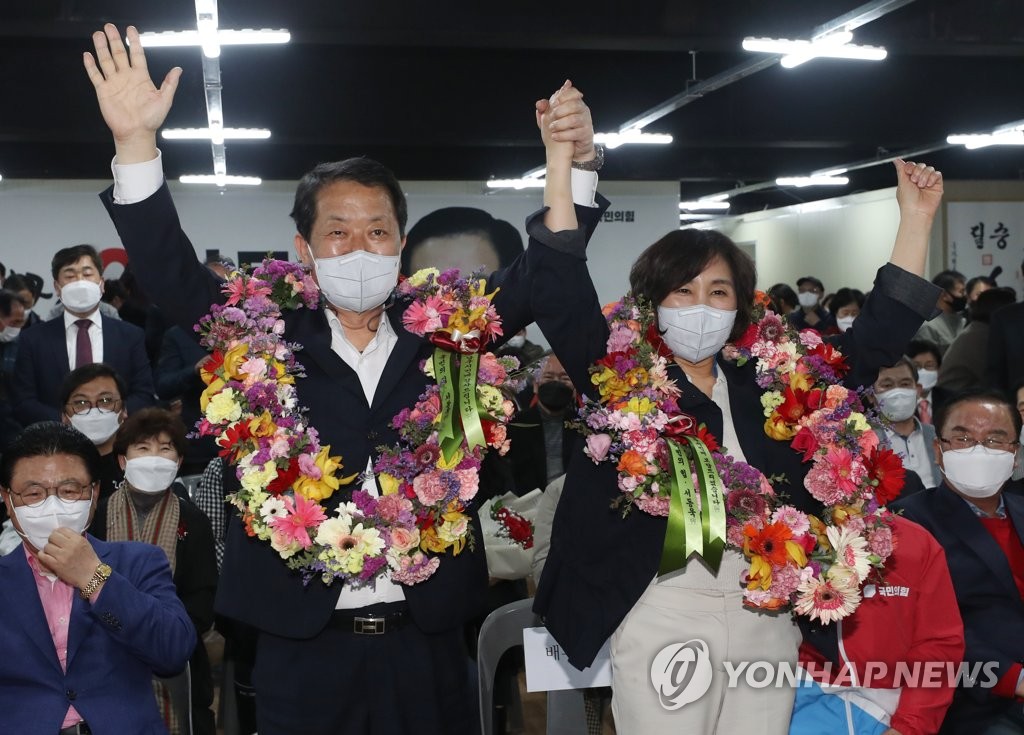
<point>813,565</point>
<point>250,406</point>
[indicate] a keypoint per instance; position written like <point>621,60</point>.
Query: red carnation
<point>805,442</point>
<point>655,340</point>
<point>832,357</point>
<point>747,340</point>
<point>885,468</point>
<point>708,438</point>
<point>285,477</point>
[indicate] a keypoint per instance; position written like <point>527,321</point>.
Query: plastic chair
<point>180,690</point>
<point>502,630</point>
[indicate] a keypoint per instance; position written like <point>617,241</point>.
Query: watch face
<point>105,570</point>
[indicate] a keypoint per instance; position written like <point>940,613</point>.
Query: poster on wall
<point>984,236</point>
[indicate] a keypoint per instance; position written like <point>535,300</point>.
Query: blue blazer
<point>256,587</point>
<point>42,364</point>
<point>136,629</point>
<point>990,603</point>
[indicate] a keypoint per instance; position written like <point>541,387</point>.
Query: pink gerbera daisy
<point>826,600</point>
<point>300,515</point>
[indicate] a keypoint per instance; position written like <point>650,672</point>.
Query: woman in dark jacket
<point>601,581</point>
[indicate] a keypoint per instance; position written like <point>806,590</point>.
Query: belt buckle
<point>369,626</point>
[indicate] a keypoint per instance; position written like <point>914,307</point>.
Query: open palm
<point>130,103</point>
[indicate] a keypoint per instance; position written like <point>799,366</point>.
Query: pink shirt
<point>56,597</point>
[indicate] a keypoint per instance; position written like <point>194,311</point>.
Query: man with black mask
<point>944,328</point>
<point>540,443</point>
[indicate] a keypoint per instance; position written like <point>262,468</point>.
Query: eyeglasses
<point>106,403</point>
<point>67,491</point>
<point>966,442</point>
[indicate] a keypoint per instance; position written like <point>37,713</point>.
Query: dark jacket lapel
<point>968,527</point>
<point>58,339</point>
<point>407,348</point>
<point>311,330</point>
<point>21,599</point>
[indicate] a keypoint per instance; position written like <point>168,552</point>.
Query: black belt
<point>79,728</point>
<point>369,622</point>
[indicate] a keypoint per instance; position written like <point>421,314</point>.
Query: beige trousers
<point>672,612</point>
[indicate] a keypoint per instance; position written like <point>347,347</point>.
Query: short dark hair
<point>780,294</point>
<point>150,423</point>
<point>987,280</point>
<point>811,280</point>
<point>7,301</point>
<point>680,256</point>
<point>846,296</point>
<point>46,439</point>
<point>87,373</point>
<point>906,362</point>
<point>919,346</point>
<point>447,221</point>
<point>68,256</point>
<point>113,288</point>
<point>976,396</point>
<point>989,301</point>
<point>948,278</point>
<point>361,170</point>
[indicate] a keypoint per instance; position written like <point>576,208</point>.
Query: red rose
<point>805,442</point>
<point>285,477</point>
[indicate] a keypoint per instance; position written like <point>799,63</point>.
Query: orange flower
<point>633,462</point>
<point>762,299</point>
<point>775,426</point>
<point>768,542</point>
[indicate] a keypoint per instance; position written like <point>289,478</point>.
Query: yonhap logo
<point>681,673</point>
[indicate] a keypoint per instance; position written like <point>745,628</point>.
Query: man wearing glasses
<point>87,623</point>
<point>977,515</point>
<point>92,401</point>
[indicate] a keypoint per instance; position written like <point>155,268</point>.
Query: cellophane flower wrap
<point>250,407</point>
<point>462,414</point>
<point>813,565</point>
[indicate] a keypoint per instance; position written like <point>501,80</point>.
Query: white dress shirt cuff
<point>134,182</point>
<point>584,187</point>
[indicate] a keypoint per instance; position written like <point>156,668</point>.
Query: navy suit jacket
<point>990,603</point>
<point>256,587</point>
<point>600,564</point>
<point>42,365</point>
<point>137,628</point>
<point>1005,365</point>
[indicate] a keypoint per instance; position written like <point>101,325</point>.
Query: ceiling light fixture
<point>802,181</point>
<point>220,180</point>
<point>523,183</point>
<point>223,37</point>
<point>631,137</point>
<point>702,204</point>
<point>208,134</point>
<point>982,140</point>
<point>835,45</point>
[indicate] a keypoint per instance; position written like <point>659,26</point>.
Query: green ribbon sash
<point>456,376</point>
<point>691,531</point>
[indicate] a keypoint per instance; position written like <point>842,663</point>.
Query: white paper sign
<point>983,235</point>
<point>548,668</point>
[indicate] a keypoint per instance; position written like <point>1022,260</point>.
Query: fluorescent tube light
<point>982,140</point>
<point>834,45</point>
<point>220,180</point>
<point>632,136</point>
<point>206,134</point>
<point>524,183</point>
<point>225,37</point>
<point>802,181</point>
<point>701,204</point>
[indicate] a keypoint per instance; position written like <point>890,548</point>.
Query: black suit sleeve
<point>163,258</point>
<point>996,375</point>
<point>139,375</point>
<point>29,405</point>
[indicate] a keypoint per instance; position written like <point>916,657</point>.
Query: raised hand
<point>918,188</point>
<point>132,106</point>
<point>559,122</point>
<point>70,556</point>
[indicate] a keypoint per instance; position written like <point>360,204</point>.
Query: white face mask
<point>977,472</point>
<point>845,322</point>
<point>695,333</point>
<point>150,474</point>
<point>357,281</point>
<point>927,378</point>
<point>81,296</point>
<point>98,425</point>
<point>807,299</point>
<point>9,334</point>
<point>517,341</point>
<point>39,522</point>
<point>898,404</point>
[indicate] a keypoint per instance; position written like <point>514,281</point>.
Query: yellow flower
<point>800,381</point>
<point>328,482</point>
<point>223,407</point>
<point>212,388</point>
<point>450,463</point>
<point>262,425</point>
<point>490,398</point>
<point>420,277</point>
<point>233,361</point>
<point>640,406</point>
<point>429,541</point>
<point>760,575</point>
<point>777,429</point>
<point>276,370</point>
<point>428,367</point>
<point>860,423</point>
<point>771,400</point>
<point>388,483</point>
<point>256,477</point>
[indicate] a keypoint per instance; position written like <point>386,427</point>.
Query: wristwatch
<point>595,163</point>
<point>101,575</point>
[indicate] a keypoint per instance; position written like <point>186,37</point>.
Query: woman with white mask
<point>703,287</point>
<point>91,400</point>
<point>149,447</point>
<point>845,306</point>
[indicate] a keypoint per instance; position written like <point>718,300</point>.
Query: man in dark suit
<point>320,667</point>
<point>80,336</point>
<point>977,515</point>
<point>86,623</point>
<point>1005,366</point>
